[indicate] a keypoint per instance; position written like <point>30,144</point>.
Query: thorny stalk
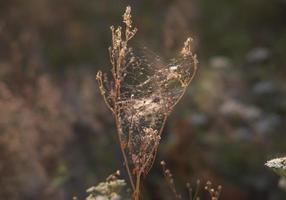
<point>141,94</point>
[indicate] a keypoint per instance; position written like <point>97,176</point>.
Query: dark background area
<point>57,138</point>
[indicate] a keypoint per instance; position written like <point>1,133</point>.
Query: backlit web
<point>150,88</point>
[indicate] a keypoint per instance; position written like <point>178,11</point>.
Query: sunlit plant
<point>141,92</point>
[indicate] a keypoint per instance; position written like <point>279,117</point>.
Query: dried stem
<point>170,180</point>
<point>190,191</point>
<point>124,154</point>
<point>214,193</point>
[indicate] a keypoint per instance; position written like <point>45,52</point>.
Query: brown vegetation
<point>141,94</point>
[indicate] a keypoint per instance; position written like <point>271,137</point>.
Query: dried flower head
<point>186,50</point>
<point>127,17</point>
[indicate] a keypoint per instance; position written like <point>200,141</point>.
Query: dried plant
<point>170,181</point>
<point>214,193</point>
<point>141,94</point>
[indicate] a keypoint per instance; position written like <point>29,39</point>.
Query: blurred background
<point>57,138</point>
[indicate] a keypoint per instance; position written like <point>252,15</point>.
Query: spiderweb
<point>150,88</point>
<point>141,92</point>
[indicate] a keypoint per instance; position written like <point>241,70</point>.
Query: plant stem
<point>136,193</point>
<point>119,131</point>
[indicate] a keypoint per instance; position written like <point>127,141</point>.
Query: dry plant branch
<point>214,193</point>
<point>141,94</point>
